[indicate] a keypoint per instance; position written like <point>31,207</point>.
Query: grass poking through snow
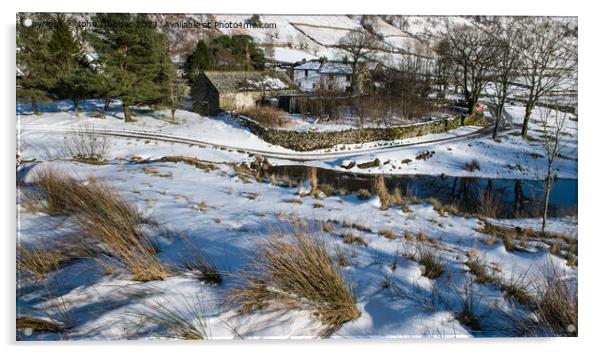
<point>294,271</point>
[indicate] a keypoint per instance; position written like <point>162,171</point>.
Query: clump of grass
<point>387,233</point>
<point>199,264</point>
<point>472,165</point>
<point>341,257</point>
<point>490,205</point>
<point>184,319</point>
<point>360,227</point>
<point>295,271</point>
<point>350,238</point>
<point>470,300</point>
<point>490,240</point>
<point>509,240</point>
<point>380,188</point>
<point>318,205</point>
<point>557,304</point>
<point>38,324</point>
<point>103,217</point>
<point>329,227</point>
<point>294,201</point>
<point>396,197</point>
<point>267,116</point>
<point>53,193</point>
<point>555,249</point>
<point>363,194</point>
<point>421,236</point>
<point>38,261</point>
<point>87,146</point>
<point>431,261</point>
<point>313,181</point>
<point>478,268</point>
<point>518,289</point>
<point>408,236</point>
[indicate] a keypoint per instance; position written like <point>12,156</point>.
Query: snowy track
<point>296,156</point>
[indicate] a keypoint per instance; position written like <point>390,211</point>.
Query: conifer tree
<point>73,75</point>
<point>131,53</point>
<point>198,61</point>
<point>33,58</point>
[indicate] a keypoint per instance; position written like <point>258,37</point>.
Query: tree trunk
<point>547,202</point>
<point>34,106</point>
<point>498,116</point>
<point>173,115</point>
<point>107,104</point>
<point>76,107</point>
<point>126,113</point>
<point>525,128</point>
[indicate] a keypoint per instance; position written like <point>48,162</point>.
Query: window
<point>330,77</point>
<point>347,78</point>
<point>306,72</point>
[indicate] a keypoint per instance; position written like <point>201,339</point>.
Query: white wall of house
<point>307,80</point>
<point>310,80</point>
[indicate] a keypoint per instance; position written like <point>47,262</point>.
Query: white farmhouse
<point>326,75</point>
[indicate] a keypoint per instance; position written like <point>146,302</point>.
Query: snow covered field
<point>224,214</point>
<point>511,157</point>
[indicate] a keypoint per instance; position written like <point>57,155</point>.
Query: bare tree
<point>358,45</point>
<point>548,61</point>
<point>506,40</point>
<point>552,122</point>
<point>177,95</point>
<point>471,53</point>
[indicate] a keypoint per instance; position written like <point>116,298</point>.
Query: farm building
<point>216,91</point>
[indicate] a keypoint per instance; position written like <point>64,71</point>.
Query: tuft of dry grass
<point>329,227</point>
<point>37,261</point>
<point>490,205</point>
<point>387,233</point>
<point>518,289</point>
<point>86,145</point>
<point>104,218</point>
<point>350,238</point>
<point>363,194</point>
<point>509,240</point>
<point>478,268</point>
<point>380,188</point>
<point>557,304</point>
<point>183,319</point>
<point>267,116</point>
<point>313,181</point>
<point>294,201</point>
<point>421,236</point>
<point>431,261</point>
<point>408,236</point>
<point>294,271</point>
<point>38,324</point>
<point>199,264</point>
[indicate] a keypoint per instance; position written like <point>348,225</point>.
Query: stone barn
<point>216,91</point>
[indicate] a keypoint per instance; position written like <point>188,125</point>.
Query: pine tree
<point>131,53</point>
<point>74,78</point>
<point>33,72</point>
<point>197,61</point>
